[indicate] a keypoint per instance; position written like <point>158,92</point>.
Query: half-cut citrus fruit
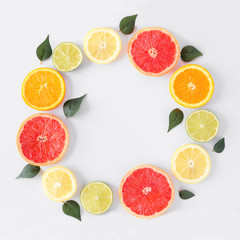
<point>146,191</point>
<point>202,125</point>
<point>102,45</point>
<point>42,139</point>
<point>191,86</point>
<point>59,183</point>
<point>191,163</point>
<point>43,89</point>
<point>67,56</point>
<point>96,197</point>
<point>153,51</point>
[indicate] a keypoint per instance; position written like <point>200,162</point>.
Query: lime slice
<point>96,197</point>
<point>202,125</point>
<point>67,56</point>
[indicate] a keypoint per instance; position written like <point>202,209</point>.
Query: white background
<point>123,121</point>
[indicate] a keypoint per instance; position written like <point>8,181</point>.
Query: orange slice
<point>43,89</point>
<point>191,86</point>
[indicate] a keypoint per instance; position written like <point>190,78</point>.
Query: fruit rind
<point>88,186</point>
<point>55,52</point>
<point>57,102</point>
<point>190,134</point>
<point>95,30</point>
<point>200,68</point>
<point>70,173</point>
<point>173,166</point>
<point>167,69</point>
<point>21,129</point>
<point>157,170</point>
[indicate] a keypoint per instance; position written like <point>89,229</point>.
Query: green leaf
<point>127,24</point>
<point>219,146</point>
<point>29,171</point>
<point>185,194</point>
<point>189,53</point>
<point>44,50</point>
<point>175,118</point>
<point>71,106</point>
<point>72,208</point>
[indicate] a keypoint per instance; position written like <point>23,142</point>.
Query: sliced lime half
<point>202,125</point>
<point>96,197</point>
<point>67,56</point>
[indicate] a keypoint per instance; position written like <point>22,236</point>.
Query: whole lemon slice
<point>59,183</point>
<point>191,163</point>
<point>102,45</point>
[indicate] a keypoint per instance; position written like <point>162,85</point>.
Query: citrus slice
<point>191,86</point>
<point>146,191</point>
<point>42,139</point>
<point>191,163</point>
<point>153,51</point>
<point>96,197</point>
<point>67,56</point>
<point>59,183</point>
<point>202,125</point>
<point>102,45</point>
<point>43,89</point>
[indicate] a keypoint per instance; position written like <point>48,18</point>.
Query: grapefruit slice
<point>42,139</point>
<point>146,191</point>
<point>153,51</point>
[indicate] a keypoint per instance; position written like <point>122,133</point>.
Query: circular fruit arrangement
<point>42,139</point>
<point>146,191</point>
<point>153,51</point>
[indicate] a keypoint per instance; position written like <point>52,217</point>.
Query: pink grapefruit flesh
<point>42,139</point>
<point>146,191</point>
<point>153,51</point>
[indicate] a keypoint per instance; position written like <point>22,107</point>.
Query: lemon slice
<point>96,197</point>
<point>59,183</point>
<point>67,56</point>
<point>102,45</point>
<point>202,125</point>
<point>191,163</point>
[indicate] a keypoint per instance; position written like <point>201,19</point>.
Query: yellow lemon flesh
<point>102,45</point>
<point>59,183</point>
<point>190,163</point>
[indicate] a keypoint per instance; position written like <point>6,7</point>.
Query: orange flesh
<point>191,86</point>
<point>43,89</point>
